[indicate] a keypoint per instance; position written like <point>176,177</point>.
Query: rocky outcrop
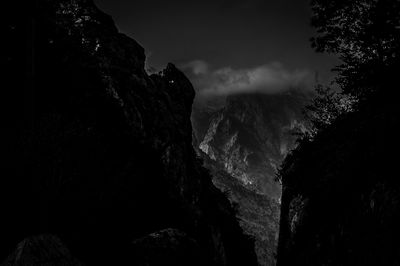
<point>43,250</point>
<point>340,201</point>
<point>258,215</point>
<point>172,246</point>
<point>99,152</point>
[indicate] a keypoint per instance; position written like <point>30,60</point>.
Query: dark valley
<point>256,146</point>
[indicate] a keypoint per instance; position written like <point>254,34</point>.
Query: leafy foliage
<point>366,36</point>
<point>326,106</point>
<point>340,201</point>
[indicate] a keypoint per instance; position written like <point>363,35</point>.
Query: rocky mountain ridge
<point>99,154</point>
<point>252,134</point>
<point>243,144</point>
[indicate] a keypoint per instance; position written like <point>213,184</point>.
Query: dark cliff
<point>341,190</point>
<point>340,201</point>
<point>99,153</point>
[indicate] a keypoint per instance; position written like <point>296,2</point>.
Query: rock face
<point>340,201</point>
<point>252,134</point>
<point>170,245</point>
<point>258,214</point>
<point>243,144</point>
<point>45,250</point>
<point>98,152</point>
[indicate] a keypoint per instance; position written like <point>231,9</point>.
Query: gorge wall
<point>340,200</point>
<point>99,153</point>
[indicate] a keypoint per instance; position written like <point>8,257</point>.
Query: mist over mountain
<point>269,78</point>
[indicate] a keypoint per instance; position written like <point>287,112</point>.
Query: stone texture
<point>100,153</point>
<point>42,250</point>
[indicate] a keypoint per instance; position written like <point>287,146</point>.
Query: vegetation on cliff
<point>340,201</point>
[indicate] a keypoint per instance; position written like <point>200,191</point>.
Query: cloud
<point>198,67</point>
<point>268,78</point>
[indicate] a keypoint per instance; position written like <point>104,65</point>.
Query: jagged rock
<point>167,247</point>
<point>42,250</point>
<point>258,215</point>
<point>98,151</point>
<point>252,134</point>
<point>248,138</point>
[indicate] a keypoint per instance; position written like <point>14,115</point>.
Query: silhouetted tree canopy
<point>325,107</point>
<point>366,36</point>
<point>340,200</point>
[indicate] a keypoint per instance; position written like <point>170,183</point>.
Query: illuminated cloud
<point>269,78</point>
<point>198,67</point>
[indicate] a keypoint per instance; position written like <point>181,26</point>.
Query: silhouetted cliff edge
<point>341,194</point>
<point>99,154</point>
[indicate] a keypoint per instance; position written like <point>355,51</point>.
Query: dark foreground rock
<point>340,202</point>
<point>98,152</point>
<point>42,250</point>
<point>172,246</point>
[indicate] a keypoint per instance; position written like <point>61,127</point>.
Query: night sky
<point>226,45</point>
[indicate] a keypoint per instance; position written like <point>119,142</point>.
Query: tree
<point>366,36</point>
<point>326,106</point>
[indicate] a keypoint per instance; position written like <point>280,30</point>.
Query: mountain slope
<point>258,214</point>
<point>242,144</point>
<point>252,134</point>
